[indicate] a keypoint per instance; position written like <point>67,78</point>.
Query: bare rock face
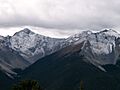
<point>33,46</point>
<point>99,48</point>
<point>26,47</point>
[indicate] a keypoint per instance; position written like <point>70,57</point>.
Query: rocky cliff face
<point>33,46</point>
<point>99,48</point>
<point>26,47</point>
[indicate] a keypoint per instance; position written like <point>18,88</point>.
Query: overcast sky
<point>58,18</point>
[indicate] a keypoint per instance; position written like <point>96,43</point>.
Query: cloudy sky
<point>58,18</point>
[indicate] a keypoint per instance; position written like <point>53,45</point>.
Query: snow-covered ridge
<point>99,48</point>
<point>31,45</point>
<point>25,47</point>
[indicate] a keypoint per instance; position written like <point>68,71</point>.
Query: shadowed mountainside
<point>65,69</point>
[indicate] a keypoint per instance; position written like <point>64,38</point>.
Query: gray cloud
<point>60,14</point>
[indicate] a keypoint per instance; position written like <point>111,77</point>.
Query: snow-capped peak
<point>25,31</point>
<point>110,32</point>
<point>30,44</point>
<point>102,48</point>
<point>99,48</point>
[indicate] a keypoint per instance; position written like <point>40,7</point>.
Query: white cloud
<point>55,33</point>
<point>60,14</point>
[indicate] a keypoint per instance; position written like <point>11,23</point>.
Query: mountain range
<point>61,64</point>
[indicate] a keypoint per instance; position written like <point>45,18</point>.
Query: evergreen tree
<point>81,85</point>
<point>27,85</point>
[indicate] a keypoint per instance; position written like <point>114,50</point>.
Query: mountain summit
<point>58,62</point>
<point>25,30</point>
<point>29,46</point>
<point>99,48</point>
<point>87,59</point>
